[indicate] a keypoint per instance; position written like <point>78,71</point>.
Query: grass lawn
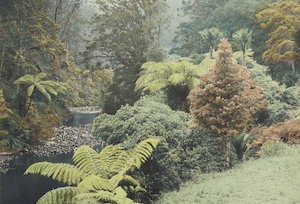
<point>272,180</point>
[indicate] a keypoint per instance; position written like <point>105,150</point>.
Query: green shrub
<point>149,119</point>
<point>202,152</point>
<point>275,148</point>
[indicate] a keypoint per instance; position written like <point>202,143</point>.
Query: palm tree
<point>36,82</point>
<point>180,77</point>
<point>212,37</point>
<point>242,40</point>
<point>95,177</point>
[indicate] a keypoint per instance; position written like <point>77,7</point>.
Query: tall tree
<point>227,15</point>
<point>212,37</point>
<point>125,32</point>
<point>282,21</point>
<point>178,77</point>
<point>226,99</point>
<point>46,87</point>
<point>242,40</point>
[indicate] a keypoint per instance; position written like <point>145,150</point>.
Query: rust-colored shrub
<point>227,98</point>
<point>288,132</point>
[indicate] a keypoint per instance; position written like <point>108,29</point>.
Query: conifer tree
<point>226,99</point>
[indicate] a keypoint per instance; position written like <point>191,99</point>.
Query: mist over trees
<point>210,79</point>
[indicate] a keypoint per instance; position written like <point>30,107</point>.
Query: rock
<point>67,139</point>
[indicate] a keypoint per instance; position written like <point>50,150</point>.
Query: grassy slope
<point>274,180</point>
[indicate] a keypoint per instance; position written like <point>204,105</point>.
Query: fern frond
<point>113,159</point>
<point>144,150</point>
<point>94,183</point>
<point>176,78</point>
<point>87,160</point>
<point>131,180</point>
<point>65,173</point>
<point>105,196</point>
<point>60,195</point>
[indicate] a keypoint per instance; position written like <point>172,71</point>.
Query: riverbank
<point>67,139</point>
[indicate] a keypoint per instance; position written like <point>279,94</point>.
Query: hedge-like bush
<point>180,151</point>
<point>149,119</point>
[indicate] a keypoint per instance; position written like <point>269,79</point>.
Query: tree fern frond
<point>43,91</point>
<point>51,90</point>
<point>104,196</point>
<point>144,150</point>
<point>63,195</point>
<point>65,173</point>
<point>176,78</point>
<point>85,159</point>
<point>27,78</point>
<point>131,180</point>
<point>94,183</point>
<point>30,90</point>
<point>40,76</point>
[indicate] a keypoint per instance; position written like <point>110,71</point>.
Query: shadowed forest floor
<point>272,180</point>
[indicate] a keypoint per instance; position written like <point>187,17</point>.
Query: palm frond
<point>60,195</point>
<point>65,173</point>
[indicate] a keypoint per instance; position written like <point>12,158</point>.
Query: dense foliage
<point>177,77</point>
<point>180,152</point>
<point>95,176</point>
<point>127,35</point>
<point>281,20</point>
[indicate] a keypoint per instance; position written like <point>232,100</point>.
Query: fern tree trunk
<point>29,102</point>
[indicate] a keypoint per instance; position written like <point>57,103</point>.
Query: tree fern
<point>65,173</point>
<point>97,176</point>
<point>63,195</point>
<point>36,82</point>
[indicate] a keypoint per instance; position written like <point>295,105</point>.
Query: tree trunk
<point>226,151</point>
<point>293,67</point>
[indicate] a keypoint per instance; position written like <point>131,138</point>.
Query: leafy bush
<point>274,148</point>
<point>149,119</point>
<point>288,132</point>
<point>292,96</point>
<point>202,152</point>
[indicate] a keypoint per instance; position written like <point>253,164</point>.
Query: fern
<point>63,195</point>
<point>93,182</point>
<point>105,196</point>
<point>65,173</point>
<point>97,176</point>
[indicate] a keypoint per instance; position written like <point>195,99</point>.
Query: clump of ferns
<point>95,177</point>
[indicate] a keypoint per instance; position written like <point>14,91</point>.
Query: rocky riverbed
<point>67,139</point>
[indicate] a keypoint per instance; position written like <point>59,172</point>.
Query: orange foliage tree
<point>282,19</point>
<point>226,99</point>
